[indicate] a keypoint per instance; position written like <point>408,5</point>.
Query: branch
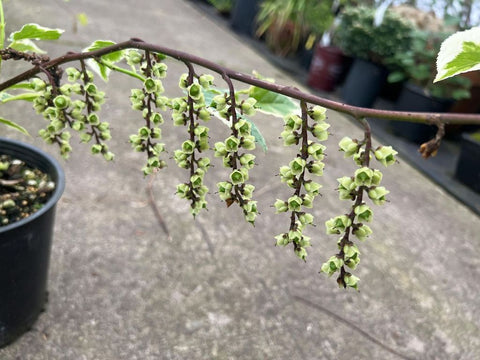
<point>355,112</point>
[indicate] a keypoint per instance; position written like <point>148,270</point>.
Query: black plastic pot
<point>243,16</point>
<point>413,98</point>
<point>25,251</point>
<point>468,165</point>
<point>363,83</point>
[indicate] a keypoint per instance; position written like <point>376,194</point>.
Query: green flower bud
<point>346,188</point>
<point>161,102</point>
<point>179,105</point>
<point>243,127</point>
<point>144,132</point>
<point>362,232</point>
<point>196,180</point>
<point>351,280</point>
<point>201,131</point>
<point>219,102</point>
<point>301,253</point>
<point>96,149</point>
<point>297,165</point>
<point>220,149</point>
<point>61,102</point>
<point>294,203</point>
<point>156,133</point>
<point>338,224</point>
<point>231,144</point>
<point>364,213</point>
<point>320,131</point>
<point>188,147</point>
<point>183,82</point>
<point>377,177</point>
<point>203,144</point>
<point>248,106</point>
<point>280,206</point>
<point>247,160</point>
<point>109,156</point>
<point>78,125</point>
<point>316,168</point>
<point>289,138</point>
<point>91,89</point>
<point>312,188</point>
<point>85,138</point>
<point>316,150</point>
<point>93,119</point>
<point>377,195</point>
<point>203,163</point>
<point>156,118</point>
<point>332,265</point>
<point>386,155</point>
<point>307,200</point>
<point>204,114</point>
<point>206,80</point>
<point>282,239</point>
<point>179,119</point>
<point>349,146</point>
<point>183,191</point>
<point>134,57</point>
<point>238,176</point>
<point>248,142</point>
<point>350,251</point>
<point>247,191</point>
<point>318,113</point>
<point>38,84</point>
<point>160,70</point>
<point>292,122</point>
<point>364,176</point>
<point>306,219</point>
<point>195,92</point>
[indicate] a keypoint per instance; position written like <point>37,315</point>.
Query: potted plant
<point>224,7</point>
<point>372,45</point>
<point>287,24</point>
<point>416,68</point>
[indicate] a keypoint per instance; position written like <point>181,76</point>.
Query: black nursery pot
<point>468,165</point>
<point>412,98</point>
<point>25,251</point>
<point>363,83</point>
<point>243,15</point>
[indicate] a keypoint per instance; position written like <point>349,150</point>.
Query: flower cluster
<point>72,105</point>
<point>367,181</point>
<point>308,161</point>
<point>235,189</point>
<point>149,100</point>
<point>187,111</point>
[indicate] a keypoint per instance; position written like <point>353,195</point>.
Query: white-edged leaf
<point>26,45</point>
<point>14,125</point>
<point>459,53</point>
<point>101,69</point>
<point>29,96</point>
<point>36,32</point>
<point>272,103</point>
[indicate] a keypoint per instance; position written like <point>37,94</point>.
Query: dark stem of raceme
<point>354,111</point>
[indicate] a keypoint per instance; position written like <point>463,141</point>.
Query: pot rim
<point>48,164</point>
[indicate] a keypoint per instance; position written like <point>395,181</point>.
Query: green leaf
<point>458,54</point>
<point>273,103</point>
<point>26,45</point>
<point>100,44</point>
<point>111,58</point>
<point>30,96</point>
<point>14,125</point>
<point>36,32</point>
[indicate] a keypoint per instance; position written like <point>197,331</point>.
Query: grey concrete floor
<point>216,288</point>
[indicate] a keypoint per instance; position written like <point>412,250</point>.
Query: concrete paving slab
<point>216,288</point>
